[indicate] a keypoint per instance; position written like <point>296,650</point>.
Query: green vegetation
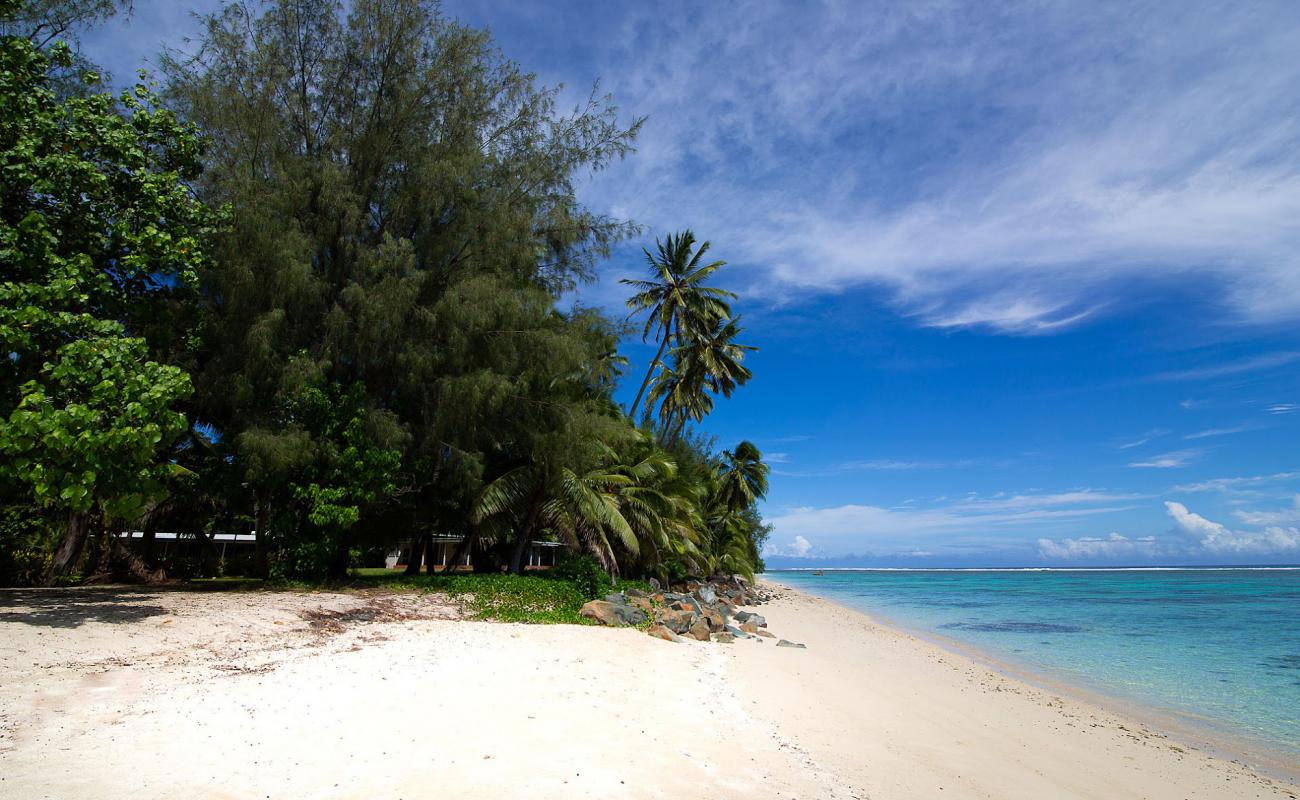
<point>312,288</point>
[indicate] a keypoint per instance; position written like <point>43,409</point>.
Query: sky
<point>1025,277</point>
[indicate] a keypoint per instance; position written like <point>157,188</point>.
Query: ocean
<point>1217,650</point>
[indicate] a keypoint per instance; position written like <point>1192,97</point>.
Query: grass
<point>539,597</point>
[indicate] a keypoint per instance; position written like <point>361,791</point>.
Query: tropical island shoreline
<point>153,693</point>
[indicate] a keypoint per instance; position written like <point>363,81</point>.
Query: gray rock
<point>634,592</point>
<point>628,615</point>
<point>788,643</point>
<point>654,584</point>
<point>723,638</point>
<point>736,632</point>
<point>706,595</point>
<point>617,598</point>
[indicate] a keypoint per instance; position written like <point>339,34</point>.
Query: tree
<point>679,303</point>
<point>100,238</point>
<point>404,220</point>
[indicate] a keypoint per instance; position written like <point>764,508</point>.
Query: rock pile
<point>701,610</point>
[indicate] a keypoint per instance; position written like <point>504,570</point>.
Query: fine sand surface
<point>164,694</point>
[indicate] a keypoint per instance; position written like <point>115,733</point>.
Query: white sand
<point>169,694</point>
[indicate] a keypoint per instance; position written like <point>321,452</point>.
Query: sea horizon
<point>1215,659</point>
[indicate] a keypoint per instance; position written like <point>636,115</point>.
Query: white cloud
<point>1040,158</point>
<point>1283,408</point>
<point>1215,537</point>
<point>1154,433</point>
<point>1244,486</point>
<point>1280,517</point>
<point>1088,547</point>
<point>1205,434</point>
<point>1253,364</point>
<point>1178,458</point>
<point>776,458</point>
<point>799,547</point>
<point>971,522</point>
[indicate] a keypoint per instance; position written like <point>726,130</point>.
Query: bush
<point>516,598</point>
<point>585,573</point>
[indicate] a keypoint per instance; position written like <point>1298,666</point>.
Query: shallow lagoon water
<point>1217,648</point>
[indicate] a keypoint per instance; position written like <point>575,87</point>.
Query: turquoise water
<point>1219,649</point>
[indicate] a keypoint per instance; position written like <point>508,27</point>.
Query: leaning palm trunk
<point>650,373</point>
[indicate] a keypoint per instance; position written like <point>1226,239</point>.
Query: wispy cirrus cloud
<point>1171,460</point>
<point>1236,367</point>
<point>1154,433</point>
<point>1248,485</point>
<point>1006,166</point>
<point>1210,432</point>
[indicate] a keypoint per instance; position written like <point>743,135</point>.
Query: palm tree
<point>679,303</point>
<point>741,477</point>
<point>711,361</point>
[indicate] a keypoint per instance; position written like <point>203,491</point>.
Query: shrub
<point>586,573</point>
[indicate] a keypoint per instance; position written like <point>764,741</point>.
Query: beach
<point>153,693</point>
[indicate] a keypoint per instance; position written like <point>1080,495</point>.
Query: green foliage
<point>586,573</point>
<point>100,238</point>
<point>516,598</point>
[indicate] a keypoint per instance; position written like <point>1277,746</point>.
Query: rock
<point>660,632</point>
<point>635,592</point>
<point>715,620</point>
<point>602,611</point>
<point>676,620</point>
<point>642,603</point>
<point>788,643</point>
<point>628,615</point>
<point>706,595</point>
<point>723,638</point>
<point>613,614</point>
<point>617,598</point>
<point>767,634</point>
<point>654,584</point>
<point>748,626</point>
<point>700,630</point>
<point>743,616</point>
<point>736,632</point>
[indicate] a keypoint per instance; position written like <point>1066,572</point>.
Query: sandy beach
<point>160,694</point>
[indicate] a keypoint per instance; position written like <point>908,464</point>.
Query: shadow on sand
<point>71,608</point>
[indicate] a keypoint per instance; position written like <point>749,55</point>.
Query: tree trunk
<point>465,547</point>
<point>427,544</point>
<point>339,564</point>
<point>417,555</point>
<point>69,550</point>
<point>650,373</point>
<point>261,547</point>
<point>150,536</point>
<point>525,538</point>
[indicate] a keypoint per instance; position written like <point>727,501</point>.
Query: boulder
<point>749,616</point>
<point>614,614</point>
<point>617,598</point>
<point>654,584</point>
<point>748,626</point>
<point>700,630</point>
<point>660,632</point>
<point>788,643</point>
<point>723,638</point>
<point>715,620</point>
<point>602,611</point>
<point>642,603</point>
<point>635,592</point>
<point>627,615</point>
<point>706,595</point>
<point>676,620</point>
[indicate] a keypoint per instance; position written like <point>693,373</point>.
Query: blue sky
<point>1025,276</point>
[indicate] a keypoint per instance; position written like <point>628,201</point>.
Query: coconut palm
<point>676,297</point>
<point>741,477</point>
